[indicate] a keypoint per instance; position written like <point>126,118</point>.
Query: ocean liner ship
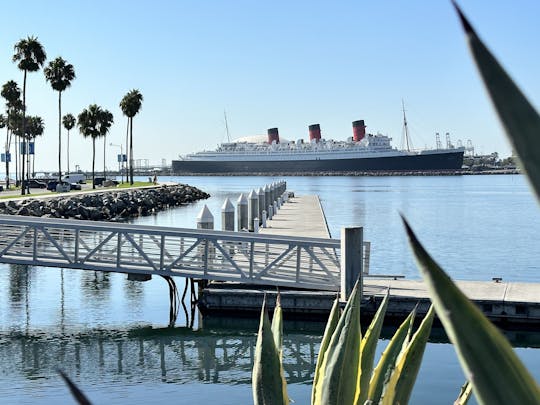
<point>360,153</point>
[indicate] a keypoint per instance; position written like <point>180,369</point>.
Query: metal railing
<point>312,263</point>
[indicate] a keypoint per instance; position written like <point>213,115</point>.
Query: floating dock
<point>508,304</point>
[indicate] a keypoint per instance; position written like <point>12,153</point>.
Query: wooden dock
<point>508,304</point>
<point>299,216</point>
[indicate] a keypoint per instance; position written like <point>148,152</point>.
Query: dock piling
<point>205,219</point>
<point>253,209</point>
<point>227,216</point>
<point>351,259</point>
<point>242,212</point>
<point>262,207</point>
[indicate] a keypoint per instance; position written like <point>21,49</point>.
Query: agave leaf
<point>75,391</point>
<point>521,121</point>
<point>488,360</point>
<point>400,386</point>
<point>367,352</point>
<point>383,370</point>
<point>464,394</point>
<point>328,332</point>
<point>267,382</point>
<point>277,324</point>
<point>340,363</point>
<point>277,333</point>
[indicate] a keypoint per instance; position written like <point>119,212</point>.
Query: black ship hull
<point>421,162</point>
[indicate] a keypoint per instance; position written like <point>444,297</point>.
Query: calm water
<point>110,335</point>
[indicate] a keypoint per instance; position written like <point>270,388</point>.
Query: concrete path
<point>299,216</point>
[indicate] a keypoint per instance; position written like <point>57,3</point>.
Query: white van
<point>75,178</point>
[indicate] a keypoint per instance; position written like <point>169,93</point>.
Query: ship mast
<point>406,128</point>
<point>227,126</point>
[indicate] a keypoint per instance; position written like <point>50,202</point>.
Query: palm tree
<point>30,55</point>
<point>130,105</point>
<point>69,122</point>
<point>12,94</point>
<point>60,74</point>
<point>94,122</point>
<point>34,128</point>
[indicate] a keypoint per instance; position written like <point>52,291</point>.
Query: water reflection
<point>172,355</point>
<point>177,355</point>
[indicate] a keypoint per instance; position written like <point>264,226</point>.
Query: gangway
<point>300,262</point>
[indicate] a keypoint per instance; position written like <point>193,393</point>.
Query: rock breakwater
<point>113,205</point>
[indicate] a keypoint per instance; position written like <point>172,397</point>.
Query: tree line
<point>21,129</point>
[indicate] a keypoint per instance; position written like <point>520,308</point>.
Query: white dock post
<point>255,225</point>
<point>253,208</point>
<point>351,259</point>
<point>264,219</point>
<point>260,194</point>
<point>242,212</point>
<point>205,219</point>
<point>270,211</point>
<point>279,202</point>
<point>267,196</point>
<point>275,208</point>
<point>227,216</point>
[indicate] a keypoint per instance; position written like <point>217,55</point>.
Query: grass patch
<point>135,184</point>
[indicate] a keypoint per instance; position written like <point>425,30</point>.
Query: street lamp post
<point>120,162</point>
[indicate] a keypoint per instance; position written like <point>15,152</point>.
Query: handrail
<point>197,253</point>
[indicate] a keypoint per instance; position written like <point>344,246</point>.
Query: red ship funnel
<point>273,135</point>
<point>315,132</point>
<point>359,130</point>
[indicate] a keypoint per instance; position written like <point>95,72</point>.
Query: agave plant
<point>496,374</point>
<point>344,373</point>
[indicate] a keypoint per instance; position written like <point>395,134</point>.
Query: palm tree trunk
<point>7,152</point>
<point>93,161</point>
<point>104,145</point>
<point>28,165</point>
<point>23,191</point>
<point>16,160</point>
<point>131,151</point>
<point>59,137</point>
<point>68,152</point>
<point>127,149</point>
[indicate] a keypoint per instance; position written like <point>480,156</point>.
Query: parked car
<point>75,178</point>
<point>75,186</point>
<point>33,183</point>
<point>51,185</point>
<point>98,181</point>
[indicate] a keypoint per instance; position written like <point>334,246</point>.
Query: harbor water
<point>110,335</point>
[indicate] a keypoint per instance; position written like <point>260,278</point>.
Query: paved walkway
<point>15,194</point>
<point>299,216</point>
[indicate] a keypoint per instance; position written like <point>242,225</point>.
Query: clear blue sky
<point>282,63</point>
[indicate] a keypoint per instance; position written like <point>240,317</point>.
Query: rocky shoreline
<point>111,205</point>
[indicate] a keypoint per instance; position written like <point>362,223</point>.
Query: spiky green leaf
<point>521,121</point>
<point>464,394</point>
<point>488,360</point>
<point>328,332</point>
<point>75,391</point>
<point>367,352</point>
<point>277,324</point>
<point>340,364</point>
<point>387,362</point>
<point>267,382</point>
<point>400,386</point>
